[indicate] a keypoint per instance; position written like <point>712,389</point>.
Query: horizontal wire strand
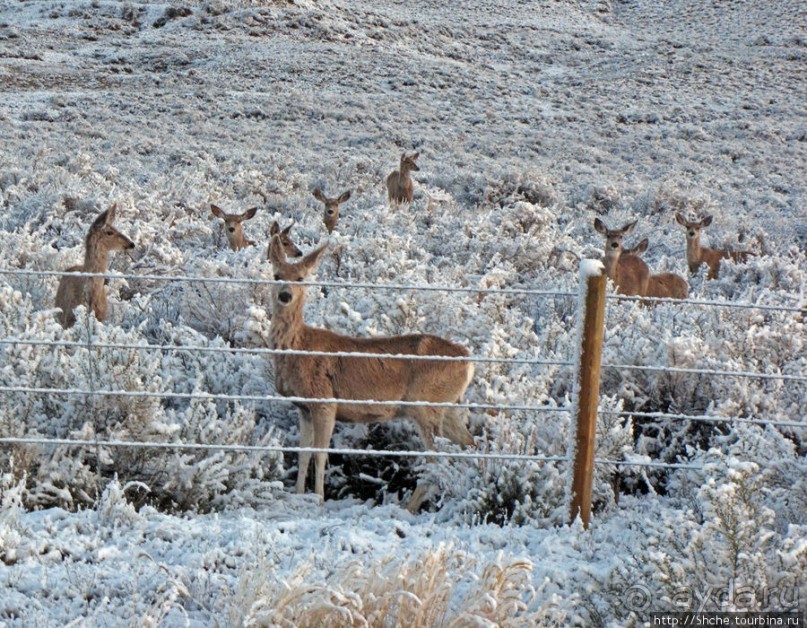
<point>311,400</point>
<point>704,418</point>
<point>70,442</point>
<point>260,351</point>
<point>397,356</point>
<point>374,286</point>
<point>271,282</point>
<point>674,369</point>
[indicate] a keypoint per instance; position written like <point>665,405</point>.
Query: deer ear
<point>628,228</point>
<point>317,193</point>
<point>102,220</point>
<point>344,197</point>
<point>599,226</point>
<point>415,156</point>
<point>706,221</point>
<point>642,246</point>
<point>680,219</point>
<point>250,213</point>
<point>277,256</point>
<point>311,261</point>
<point>216,211</point>
<point>288,229</point>
<point>275,228</point>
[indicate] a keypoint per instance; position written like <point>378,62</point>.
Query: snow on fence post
<point>586,391</point>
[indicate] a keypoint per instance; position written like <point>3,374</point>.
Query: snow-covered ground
<point>531,119</point>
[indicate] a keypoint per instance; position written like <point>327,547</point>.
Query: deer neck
<point>288,326</point>
<point>694,251</point>
<point>96,260</point>
<point>611,264</point>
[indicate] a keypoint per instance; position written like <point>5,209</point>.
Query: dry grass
<point>439,588</point>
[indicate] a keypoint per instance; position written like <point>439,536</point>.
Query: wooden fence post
<point>587,389</point>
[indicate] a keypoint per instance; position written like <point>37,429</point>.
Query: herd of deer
<point>389,380</point>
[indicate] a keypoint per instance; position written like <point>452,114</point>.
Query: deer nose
<point>691,234</point>
<point>329,212</point>
<point>231,229</point>
<point>284,297</point>
<point>614,245</point>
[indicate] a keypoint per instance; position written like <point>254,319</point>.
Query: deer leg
<point>323,419</point>
<point>306,440</point>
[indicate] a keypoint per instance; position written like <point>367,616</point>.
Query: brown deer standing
<point>697,254</point>
<point>233,227</point>
<point>331,214</point>
<point>378,379</point>
<point>399,183</point>
<point>90,291</point>
<point>661,285</point>
<point>289,247</point>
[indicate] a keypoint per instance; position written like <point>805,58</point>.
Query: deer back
<point>667,286</point>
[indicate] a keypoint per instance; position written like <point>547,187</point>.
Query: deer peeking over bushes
<point>91,291</point>
<point>697,254</point>
<point>382,379</point>
<point>233,228</point>
<point>331,213</point>
<point>628,271</point>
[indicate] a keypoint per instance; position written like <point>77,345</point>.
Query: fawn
<point>90,291</point>
<point>378,379</point>
<point>289,247</point>
<point>399,183</point>
<point>661,285</point>
<point>233,227</point>
<point>697,254</point>
<point>331,214</point>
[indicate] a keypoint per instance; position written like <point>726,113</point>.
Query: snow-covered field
<point>531,119</point>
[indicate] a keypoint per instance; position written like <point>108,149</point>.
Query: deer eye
<point>301,278</point>
<point>110,232</point>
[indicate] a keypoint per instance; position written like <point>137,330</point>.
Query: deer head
<point>285,295</point>
<point>408,163</point>
<point>103,236</point>
<point>693,228</point>
<point>289,247</point>
<point>331,213</point>
<point>613,237</point>
<point>233,228</point>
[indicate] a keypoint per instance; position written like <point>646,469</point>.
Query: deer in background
<point>331,214</point>
<point>661,285</point>
<point>399,183</point>
<point>378,379</point>
<point>233,227</point>
<point>289,247</point>
<point>91,291</point>
<point>629,272</point>
<point>697,254</point>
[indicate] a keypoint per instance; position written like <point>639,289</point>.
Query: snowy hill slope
<point>531,119</point>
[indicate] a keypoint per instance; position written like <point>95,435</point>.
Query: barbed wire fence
<point>93,392</point>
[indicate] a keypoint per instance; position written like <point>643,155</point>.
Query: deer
<point>102,238</point>
<point>384,379</point>
<point>697,254</point>
<point>331,214</point>
<point>233,227</point>
<point>628,271</point>
<point>661,285</point>
<point>289,246</point>
<point>399,183</point>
